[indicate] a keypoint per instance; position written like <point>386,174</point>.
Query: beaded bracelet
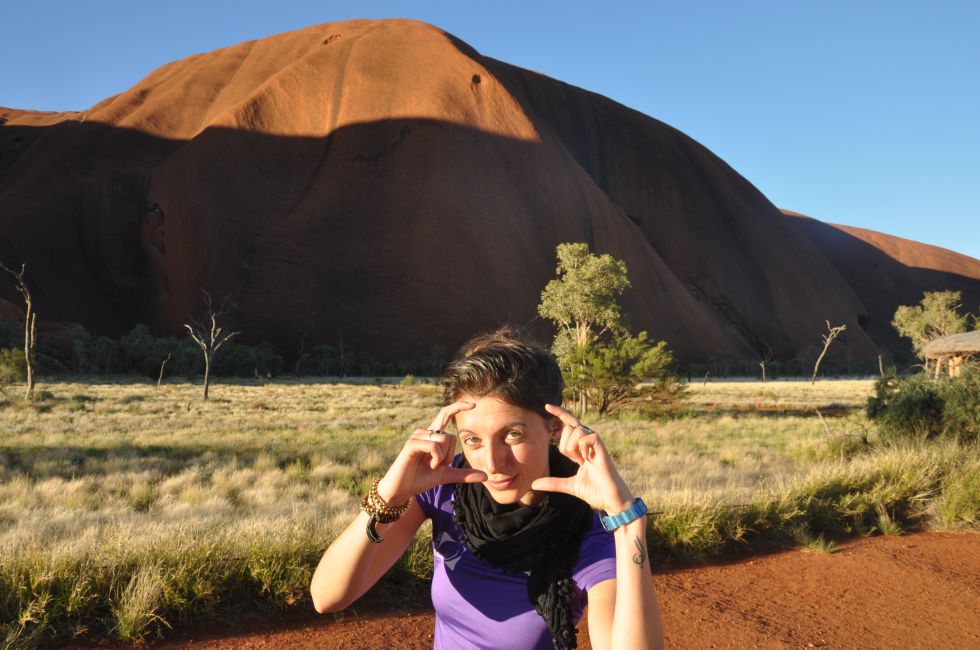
<point>380,512</point>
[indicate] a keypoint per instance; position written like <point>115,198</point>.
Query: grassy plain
<point>127,508</point>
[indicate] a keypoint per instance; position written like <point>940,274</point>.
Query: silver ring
<point>431,431</point>
<point>584,428</point>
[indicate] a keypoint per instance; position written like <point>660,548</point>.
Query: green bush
<point>13,367</point>
<point>619,371</point>
<point>961,413</point>
<point>918,408</point>
<point>914,411</point>
<point>240,360</point>
<point>144,351</point>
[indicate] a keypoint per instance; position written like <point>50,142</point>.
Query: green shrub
<point>144,351</point>
<point>240,360</point>
<point>914,411</point>
<point>13,367</point>
<point>919,408</point>
<point>961,413</point>
<point>620,370</point>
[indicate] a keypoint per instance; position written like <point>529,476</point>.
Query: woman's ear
<point>554,429</point>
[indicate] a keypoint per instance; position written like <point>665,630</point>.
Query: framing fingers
<point>441,447</point>
<point>577,439</point>
<point>569,444</point>
<point>447,413</point>
<point>435,450</point>
<point>565,416</point>
<point>587,446</point>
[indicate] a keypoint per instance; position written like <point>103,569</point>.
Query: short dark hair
<point>506,364</point>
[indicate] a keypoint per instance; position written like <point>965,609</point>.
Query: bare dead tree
<point>30,326</point>
<point>208,335</point>
<point>162,365</point>
<point>832,333</point>
<point>766,358</point>
<point>300,356</point>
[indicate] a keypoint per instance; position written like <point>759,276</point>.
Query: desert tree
<point>828,338</point>
<point>208,335</point>
<point>30,325</point>
<point>582,300</point>
<point>603,365</point>
<point>936,315</point>
<point>764,360</point>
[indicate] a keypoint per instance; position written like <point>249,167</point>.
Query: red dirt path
<point>914,591</point>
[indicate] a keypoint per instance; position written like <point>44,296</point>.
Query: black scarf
<point>543,539</point>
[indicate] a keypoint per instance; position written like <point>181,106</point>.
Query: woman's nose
<point>497,458</point>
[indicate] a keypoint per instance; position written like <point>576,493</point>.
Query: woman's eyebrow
<point>506,426</point>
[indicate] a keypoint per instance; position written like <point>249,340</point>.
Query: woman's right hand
<point>423,462</point>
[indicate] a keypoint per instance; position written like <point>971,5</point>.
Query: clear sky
<point>862,113</point>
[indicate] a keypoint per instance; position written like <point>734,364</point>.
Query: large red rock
<point>383,182</point>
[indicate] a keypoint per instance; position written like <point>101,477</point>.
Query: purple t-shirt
<point>479,606</point>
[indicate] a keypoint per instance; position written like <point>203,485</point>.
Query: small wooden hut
<point>952,351</point>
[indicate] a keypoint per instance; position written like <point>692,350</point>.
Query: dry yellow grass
<point>779,393</point>
<point>149,503</point>
<point>114,455</point>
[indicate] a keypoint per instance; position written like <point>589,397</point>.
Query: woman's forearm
<point>337,578</point>
<point>352,563</point>
<point>636,621</point>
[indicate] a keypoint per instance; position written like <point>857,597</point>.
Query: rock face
<point>383,182</point>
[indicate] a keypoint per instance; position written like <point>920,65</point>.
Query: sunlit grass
<point>782,393</point>
<point>125,508</point>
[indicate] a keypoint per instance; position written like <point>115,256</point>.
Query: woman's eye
<point>471,442</point>
<point>514,435</point>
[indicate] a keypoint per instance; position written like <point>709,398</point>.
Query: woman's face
<point>507,442</point>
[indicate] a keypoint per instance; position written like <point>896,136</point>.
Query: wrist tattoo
<point>641,553</point>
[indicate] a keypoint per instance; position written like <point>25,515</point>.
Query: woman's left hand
<point>597,482</point>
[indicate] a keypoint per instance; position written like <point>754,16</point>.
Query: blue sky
<point>863,113</point>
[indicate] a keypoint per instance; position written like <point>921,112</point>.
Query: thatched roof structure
<point>964,344</point>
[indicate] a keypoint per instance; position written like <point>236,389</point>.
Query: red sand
<point>914,591</point>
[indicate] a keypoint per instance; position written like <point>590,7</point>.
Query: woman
<point>518,550</point>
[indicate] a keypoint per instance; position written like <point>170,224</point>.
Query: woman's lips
<point>501,485</point>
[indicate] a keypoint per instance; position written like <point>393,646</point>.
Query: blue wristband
<point>635,511</point>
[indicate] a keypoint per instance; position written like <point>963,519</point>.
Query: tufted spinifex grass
<point>126,509</point>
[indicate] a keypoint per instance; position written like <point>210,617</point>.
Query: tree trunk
<point>816,367</point>
<point>207,374</point>
<point>162,365</point>
<point>30,331</point>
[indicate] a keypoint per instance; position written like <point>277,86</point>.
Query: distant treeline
<point>836,363</point>
<point>75,350</point>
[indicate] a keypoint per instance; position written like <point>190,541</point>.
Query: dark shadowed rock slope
<point>383,181</point>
